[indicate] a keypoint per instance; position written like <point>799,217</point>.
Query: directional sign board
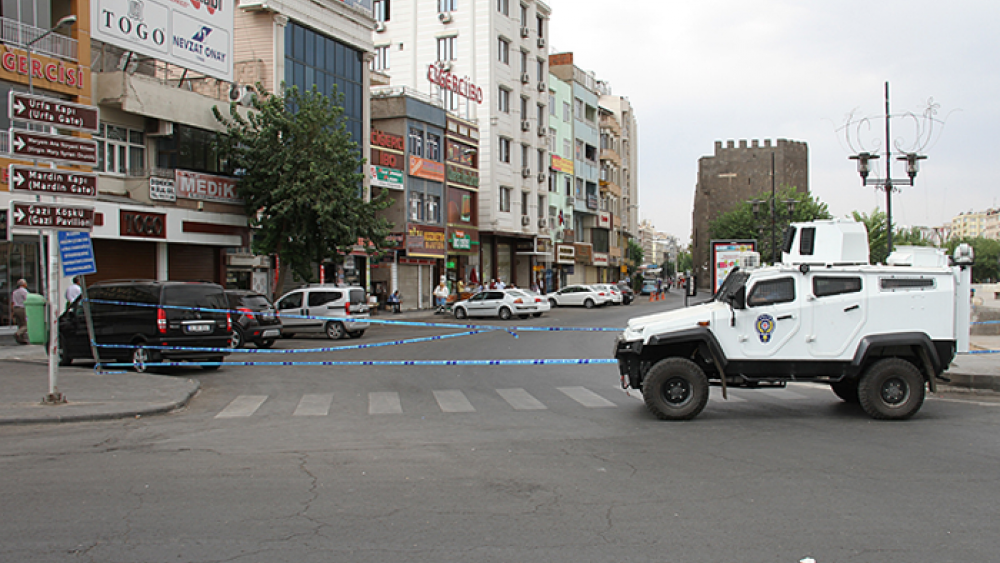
<point>51,181</point>
<point>55,112</point>
<point>31,215</point>
<point>77,253</point>
<point>29,144</point>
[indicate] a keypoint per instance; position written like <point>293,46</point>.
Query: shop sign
<point>53,147</point>
<point>462,240</point>
<point>388,159</point>
<point>53,111</point>
<point>461,207</point>
<point>543,245</point>
<point>162,189</point>
<point>565,254</point>
<point>604,220</point>
<point>525,245</point>
<point>76,253</point>
<point>584,253</point>
<point>600,259</point>
<point>562,164</point>
<point>462,86</point>
<point>592,201</point>
<point>61,76</point>
<point>386,177</point>
<point>142,224</point>
<point>462,154</point>
<point>425,240</point>
<point>387,140</point>
<point>51,181</point>
<point>197,35</point>
<point>429,169</point>
<point>463,176</point>
<point>206,187</point>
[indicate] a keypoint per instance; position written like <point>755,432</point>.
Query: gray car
<point>337,311</point>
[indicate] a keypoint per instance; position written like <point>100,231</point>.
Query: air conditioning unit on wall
<point>525,125</point>
<point>379,27</point>
<point>542,87</point>
<point>525,32</point>
<point>444,17</point>
<point>541,177</point>
<point>541,42</point>
<point>525,172</point>
<point>525,220</point>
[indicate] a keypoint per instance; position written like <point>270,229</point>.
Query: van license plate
<point>199,328</point>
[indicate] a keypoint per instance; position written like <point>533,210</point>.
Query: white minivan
<point>339,311</point>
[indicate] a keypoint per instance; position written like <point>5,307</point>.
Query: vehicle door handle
<point>784,317</point>
<point>852,307</point>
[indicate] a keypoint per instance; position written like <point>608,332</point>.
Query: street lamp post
<point>49,273</point>
<point>757,203</point>
<point>888,184</point>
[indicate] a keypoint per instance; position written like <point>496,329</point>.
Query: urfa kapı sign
<point>194,34</point>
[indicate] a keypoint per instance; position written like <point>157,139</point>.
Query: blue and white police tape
<point>383,363</point>
<point>371,320</point>
<point>293,350</point>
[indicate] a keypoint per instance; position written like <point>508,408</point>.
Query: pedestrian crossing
<point>456,401</point>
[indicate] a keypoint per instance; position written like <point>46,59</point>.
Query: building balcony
<point>611,155</point>
<point>15,33</point>
<point>611,188</point>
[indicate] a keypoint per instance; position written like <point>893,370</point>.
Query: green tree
<point>987,251</point>
<point>300,179</point>
<point>684,262</point>
<point>909,237</point>
<point>878,242</point>
<point>634,253</point>
<point>740,222</point>
<point>668,269</point>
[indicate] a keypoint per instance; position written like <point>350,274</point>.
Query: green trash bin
<point>34,309</point>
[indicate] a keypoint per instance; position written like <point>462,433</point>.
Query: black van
<point>163,314</point>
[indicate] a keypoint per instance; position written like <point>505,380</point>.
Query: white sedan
<point>497,303</point>
<point>614,292</point>
<point>584,295</point>
<point>540,301</point>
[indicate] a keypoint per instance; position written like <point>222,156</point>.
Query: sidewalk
<point>24,382</point>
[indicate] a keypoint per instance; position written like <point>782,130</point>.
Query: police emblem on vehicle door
<point>764,326</point>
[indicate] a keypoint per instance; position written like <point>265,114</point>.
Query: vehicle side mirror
<point>739,299</point>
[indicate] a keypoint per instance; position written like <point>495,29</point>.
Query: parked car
<point>165,313</point>
<point>255,319</point>
<point>540,301</point>
<point>648,286</point>
<point>628,296</point>
<point>324,303</point>
<point>503,303</point>
<point>579,295</point>
<point>616,295</point>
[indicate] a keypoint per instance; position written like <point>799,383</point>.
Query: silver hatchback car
<point>310,308</point>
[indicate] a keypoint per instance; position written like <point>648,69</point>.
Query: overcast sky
<point>698,72</point>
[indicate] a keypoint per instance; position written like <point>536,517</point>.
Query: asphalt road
<point>496,464</point>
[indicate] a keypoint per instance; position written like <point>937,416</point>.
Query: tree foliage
<point>740,223</point>
<point>300,178</point>
<point>634,253</point>
<point>878,242</point>
<point>684,262</point>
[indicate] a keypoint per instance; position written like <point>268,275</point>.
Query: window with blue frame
<point>314,59</point>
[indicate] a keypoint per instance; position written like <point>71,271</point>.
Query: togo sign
<point>142,224</point>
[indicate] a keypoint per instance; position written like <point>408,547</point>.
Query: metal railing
<point>20,34</point>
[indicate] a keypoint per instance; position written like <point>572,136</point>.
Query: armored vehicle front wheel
<point>675,389</point>
<point>891,389</point>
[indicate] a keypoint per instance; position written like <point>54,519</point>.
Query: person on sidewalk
<point>394,301</point>
<point>441,294</point>
<point>73,291</point>
<point>17,300</point>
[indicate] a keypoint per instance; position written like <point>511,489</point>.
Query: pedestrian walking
<point>73,291</point>
<point>659,289</point>
<point>17,300</point>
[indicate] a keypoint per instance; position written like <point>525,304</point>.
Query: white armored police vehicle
<point>877,334</point>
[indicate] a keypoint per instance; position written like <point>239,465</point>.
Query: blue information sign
<point>77,253</point>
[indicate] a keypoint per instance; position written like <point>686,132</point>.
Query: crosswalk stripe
<point>586,397</point>
<point>242,406</point>
<point>520,400</point>
<point>384,402</point>
<point>314,405</point>
<point>453,400</point>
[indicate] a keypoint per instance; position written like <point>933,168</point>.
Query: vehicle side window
<point>769,292</point>
<point>293,301</point>
<point>495,295</point>
<point>824,286</point>
<point>317,298</point>
<point>478,297</point>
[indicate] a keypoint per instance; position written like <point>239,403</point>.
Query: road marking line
<point>453,401</point>
<point>520,400</point>
<point>384,402</point>
<point>242,406</point>
<point>586,397</point>
<point>314,405</point>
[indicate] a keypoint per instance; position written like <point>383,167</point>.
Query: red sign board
<point>387,140</point>
<point>51,216</point>
<point>52,181</point>
<point>51,111</point>
<point>142,224</point>
<point>53,147</point>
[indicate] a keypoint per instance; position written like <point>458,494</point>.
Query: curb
<point>163,408</point>
<point>972,381</point>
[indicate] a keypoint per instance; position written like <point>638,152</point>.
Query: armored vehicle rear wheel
<point>892,389</point>
<point>675,389</point>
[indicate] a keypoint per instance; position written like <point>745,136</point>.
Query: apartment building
<point>486,62</point>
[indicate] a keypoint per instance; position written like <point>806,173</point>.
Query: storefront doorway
<point>17,260</point>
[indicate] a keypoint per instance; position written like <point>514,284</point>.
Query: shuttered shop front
<point>193,262</point>
<point>123,260</point>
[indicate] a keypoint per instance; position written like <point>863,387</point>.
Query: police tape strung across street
<point>387,363</point>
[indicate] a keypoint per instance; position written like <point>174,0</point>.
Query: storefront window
<point>17,260</point>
